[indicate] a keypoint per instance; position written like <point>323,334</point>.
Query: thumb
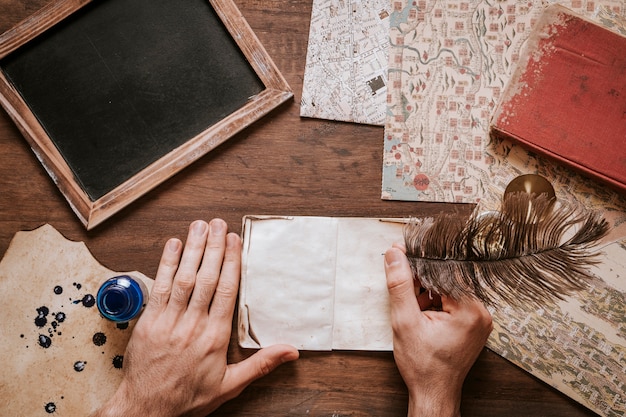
<point>261,363</point>
<point>400,286</point>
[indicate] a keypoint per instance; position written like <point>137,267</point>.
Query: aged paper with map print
<point>577,345</point>
<point>448,66</point>
<point>345,76</point>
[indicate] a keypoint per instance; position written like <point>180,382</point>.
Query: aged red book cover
<point>567,96</point>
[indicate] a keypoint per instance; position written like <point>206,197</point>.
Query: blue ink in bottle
<point>121,298</point>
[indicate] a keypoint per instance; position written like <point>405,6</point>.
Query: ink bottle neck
<point>121,298</point>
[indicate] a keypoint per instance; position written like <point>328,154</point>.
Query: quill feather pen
<point>531,251</point>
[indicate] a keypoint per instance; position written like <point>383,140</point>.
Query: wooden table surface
<point>285,165</point>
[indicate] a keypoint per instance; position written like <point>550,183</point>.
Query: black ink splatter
<point>88,301</point>
<point>60,317</point>
<point>42,316</point>
<point>79,366</point>
<point>50,408</point>
<point>58,290</point>
<point>77,285</point>
<point>44,341</point>
<point>99,339</point>
<point>122,326</point>
<point>54,325</point>
<point>118,361</point>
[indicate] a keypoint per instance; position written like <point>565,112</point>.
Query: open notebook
<point>317,283</point>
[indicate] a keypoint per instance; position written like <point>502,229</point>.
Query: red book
<point>567,97</point>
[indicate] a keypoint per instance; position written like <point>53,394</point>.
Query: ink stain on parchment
<point>118,361</point>
<point>48,330</point>
<point>42,316</point>
<point>50,408</point>
<point>44,341</point>
<point>79,366</point>
<point>53,321</point>
<point>99,339</point>
<point>41,320</point>
<point>88,301</point>
<point>59,317</point>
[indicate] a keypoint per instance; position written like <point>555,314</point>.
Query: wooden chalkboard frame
<point>91,213</point>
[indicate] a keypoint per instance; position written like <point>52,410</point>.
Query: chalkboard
<point>127,92</point>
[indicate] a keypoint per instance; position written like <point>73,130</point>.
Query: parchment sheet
<point>61,357</point>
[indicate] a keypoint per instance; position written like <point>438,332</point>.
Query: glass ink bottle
<point>121,298</point>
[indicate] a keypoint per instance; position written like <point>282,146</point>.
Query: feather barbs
<point>532,250</point>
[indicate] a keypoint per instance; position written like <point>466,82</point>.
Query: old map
<point>345,77</point>
<point>449,62</point>
<point>579,345</point>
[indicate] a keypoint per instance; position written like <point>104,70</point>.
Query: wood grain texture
<point>282,164</point>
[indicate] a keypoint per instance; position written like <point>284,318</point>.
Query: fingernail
<point>393,257</point>
<point>217,227</point>
<point>232,240</point>
<point>173,245</point>
<point>198,228</point>
<point>289,356</point>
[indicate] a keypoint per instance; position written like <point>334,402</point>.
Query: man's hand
<point>435,348</point>
<point>175,361</point>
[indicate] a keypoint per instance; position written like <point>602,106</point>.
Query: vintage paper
<point>60,356</point>
<point>577,345</point>
<point>449,63</point>
<point>317,283</point>
<point>345,77</point>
